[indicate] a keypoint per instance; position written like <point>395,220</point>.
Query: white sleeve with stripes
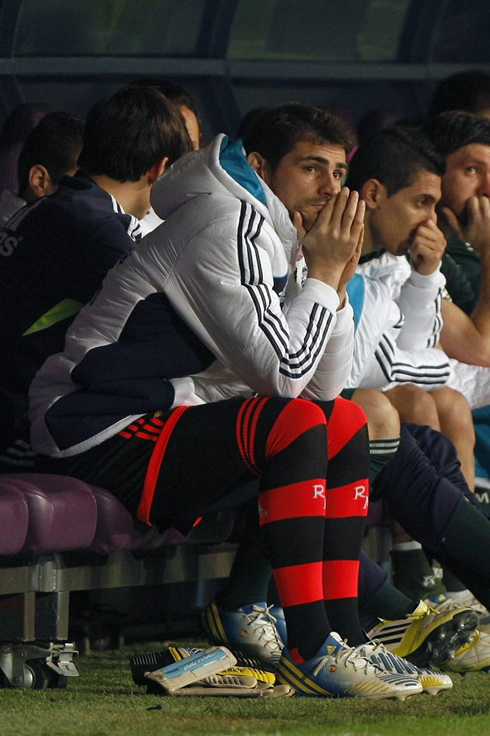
<point>420,303</point>
<point>223,287</point>
<point>379,360</point>
<point>390,366</point>
<point>335,365</point>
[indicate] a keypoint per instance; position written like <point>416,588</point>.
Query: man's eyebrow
<point>470,160</point>
<point>322,160</point>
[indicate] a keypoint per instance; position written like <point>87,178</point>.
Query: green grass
<point>104,701</point>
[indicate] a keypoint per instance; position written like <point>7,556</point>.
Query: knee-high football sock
<point>417,493</point>
<point>464,550</point>
<point>381,451</point>
<point>412,572</point>
<point>287,444</point>
<point>250,576</point>
<point>290,447</point>
<point>346,511</point>
<point>378,598</point>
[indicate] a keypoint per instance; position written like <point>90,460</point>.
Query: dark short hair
<point>248,120</point>
<point>55,143</point>
<point>275,132</point>
<point>394,156</point>
<point>131,131</point>
<point>468,90</point>
<point>178,94</point>
<point>450,131</point>
<point>174,92</point>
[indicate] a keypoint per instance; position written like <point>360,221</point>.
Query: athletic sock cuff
<point>381,451</point>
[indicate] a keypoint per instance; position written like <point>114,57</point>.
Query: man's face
<point>467,175</point>
<point>307,177</point>
<point>395,220</point>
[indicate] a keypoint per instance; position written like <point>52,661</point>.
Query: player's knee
<point>415,405</point>
<point>382,417</point>
<point>295,417</point>
<point>303,412</point>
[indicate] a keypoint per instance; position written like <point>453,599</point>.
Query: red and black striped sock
<point>347,507</point>
<point>286,442</point>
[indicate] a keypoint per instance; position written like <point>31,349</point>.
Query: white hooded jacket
<point>200,311</point>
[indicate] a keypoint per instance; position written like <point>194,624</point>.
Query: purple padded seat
<point>115,527</point>
<point>152,539</point>
<point>62,512</point>
<point>14,518</point>
<point>66,514</point>
<point>211,529</point>
<point>54,513</point>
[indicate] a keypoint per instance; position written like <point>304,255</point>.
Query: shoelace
<point>377,648</point>
<point>444,606</point>
<point>451,604</point>
<point>374,646</point>
<point>469,601</point>
<point>264,622</point>
<point>424,611</point>
<point>348,656</point>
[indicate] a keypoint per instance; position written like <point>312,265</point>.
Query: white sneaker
<point>432,681</point>
<point>251,630</point>
<point>341,671</point>
<point>484,624</point>
<point>448,602</point>
<point>472,657</point>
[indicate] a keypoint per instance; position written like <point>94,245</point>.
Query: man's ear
<point>260,165</point>
<point>157,170</point>
<point>40,182</point>
<point>373,193</point>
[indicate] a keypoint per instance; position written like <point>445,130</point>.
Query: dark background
<point>233,55</point>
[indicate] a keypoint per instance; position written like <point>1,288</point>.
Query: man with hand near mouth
<point>465,206</point>
<point>396,296</point>
<point>398,175</point>
<point>200,366</point>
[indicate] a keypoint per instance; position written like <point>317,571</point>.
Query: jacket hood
<point>222,168</point>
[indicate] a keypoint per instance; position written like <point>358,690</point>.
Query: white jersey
<point>398,323</point>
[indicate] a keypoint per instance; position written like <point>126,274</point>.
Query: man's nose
<point>484,187</point>
<point>433,214</point>
<point>330,185</point>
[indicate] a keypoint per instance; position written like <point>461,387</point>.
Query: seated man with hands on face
<point>202,360</point>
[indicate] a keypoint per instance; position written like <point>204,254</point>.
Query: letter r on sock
<point>361,492</point>
<point>319,492</point>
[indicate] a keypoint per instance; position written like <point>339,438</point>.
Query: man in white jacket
<point>398,174</point>
<point>193,317</point>
<point>397,301</point>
